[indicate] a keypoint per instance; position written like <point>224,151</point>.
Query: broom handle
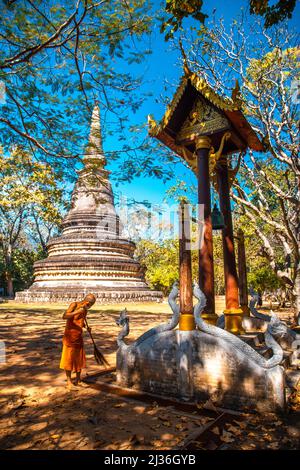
<point>87,326</point>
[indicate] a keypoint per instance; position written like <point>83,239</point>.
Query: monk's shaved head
<point>91,298</point>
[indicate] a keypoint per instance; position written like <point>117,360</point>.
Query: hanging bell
<point>217,219</point>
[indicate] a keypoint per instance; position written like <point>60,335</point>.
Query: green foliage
<point>25,184</point>
<point>218,264</point>
<point>259,272</point>
<point>262,278</point>
<point>30,209</point>
<point>160,262</point>
<point>22,267</point>
<point>55,59</point>
<point>267,74</point>
<point>178,10</point>
<point>275,13</point>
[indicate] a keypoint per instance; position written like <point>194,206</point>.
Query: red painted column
<point>232,312</point>
<point>206,262</point>
<point>186,321</point>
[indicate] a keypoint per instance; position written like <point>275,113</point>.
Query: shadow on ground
<point>38,413</point>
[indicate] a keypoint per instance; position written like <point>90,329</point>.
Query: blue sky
<point>161,66</point>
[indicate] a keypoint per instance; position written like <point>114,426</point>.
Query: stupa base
<point>107,296</point>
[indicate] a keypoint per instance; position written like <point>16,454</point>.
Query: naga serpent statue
<point>253,310</point>
<point>274,326</point>
<point>201,362</point>
<point>287,338</point>
<point>282,331</point>
<point>123,321</point>
<point>267,318</point>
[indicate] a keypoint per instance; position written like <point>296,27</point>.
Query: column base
<point>187,322</point>
<point>210,318</point>
<point>234,320</point>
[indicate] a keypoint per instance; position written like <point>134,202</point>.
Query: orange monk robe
<point>73,354</point>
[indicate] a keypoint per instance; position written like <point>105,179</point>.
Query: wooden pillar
<point>233,312</point>
<point>242,270</point>
<point>186,320</point>
<point>206,262</point>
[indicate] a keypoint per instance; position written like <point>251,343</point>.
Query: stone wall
<point>195,366</point>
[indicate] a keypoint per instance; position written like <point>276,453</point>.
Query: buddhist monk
<point>73,354</point>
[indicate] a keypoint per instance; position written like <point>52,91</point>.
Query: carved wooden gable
<point>203,119</point>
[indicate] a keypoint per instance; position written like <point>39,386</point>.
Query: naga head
<point>199,307</point>
<point>197,291</point>
<point>123,318</point>
<point>276,327</point>
<point>174,291</point>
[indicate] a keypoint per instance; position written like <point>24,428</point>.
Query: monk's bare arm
<point>70,313</point>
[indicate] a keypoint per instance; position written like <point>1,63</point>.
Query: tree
<point>55,59</point>
<point>161,263</point>
<point>260,274</point>
<point>267,190</point>
<point>23,259</point>
<point>178,10</point>
<point>29,195</point>
<point>273,14</point>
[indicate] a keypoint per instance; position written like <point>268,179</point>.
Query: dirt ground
<point>37,412</point>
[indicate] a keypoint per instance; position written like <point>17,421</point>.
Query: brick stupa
<point>90,255</point>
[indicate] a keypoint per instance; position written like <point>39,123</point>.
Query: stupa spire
<point>95,138</point>
<point>94,149</point>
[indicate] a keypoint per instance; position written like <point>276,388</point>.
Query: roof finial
<point>186,69</point>
<point>236,92</point>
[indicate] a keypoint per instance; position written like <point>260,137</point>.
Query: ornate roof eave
<point>223,103</point>
<point>180,150</point>
<point>230,107</point>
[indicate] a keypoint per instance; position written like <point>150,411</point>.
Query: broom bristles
<point>99,357</point>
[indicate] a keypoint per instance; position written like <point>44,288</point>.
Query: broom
<point>99,357</point>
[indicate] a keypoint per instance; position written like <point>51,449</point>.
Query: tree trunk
<point>9,285</point>
<point>8,272</point>
<point>297,296</point>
